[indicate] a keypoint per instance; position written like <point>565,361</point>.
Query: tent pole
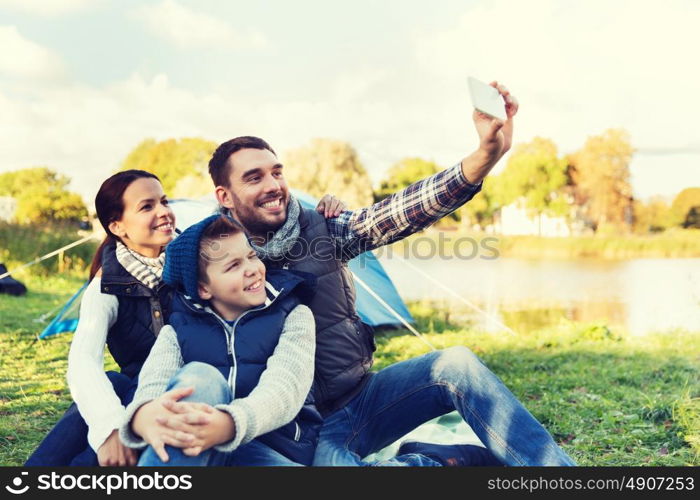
<point>393,312</point>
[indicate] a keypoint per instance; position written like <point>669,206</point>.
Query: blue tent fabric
<point>64,321</point>
<point>366,267</point>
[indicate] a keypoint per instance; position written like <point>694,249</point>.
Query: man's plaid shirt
<point>418,206</point>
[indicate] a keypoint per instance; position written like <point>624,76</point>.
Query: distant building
<point>8,205</point>
<point>515,220</point>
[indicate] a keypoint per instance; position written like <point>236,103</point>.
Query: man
<point>364,412</point>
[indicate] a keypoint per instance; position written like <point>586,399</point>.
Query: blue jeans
<point>211,388</point>
<point>66,443</point>
<point>402,396</point>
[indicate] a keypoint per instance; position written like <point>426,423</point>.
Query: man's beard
<point>251,220</point>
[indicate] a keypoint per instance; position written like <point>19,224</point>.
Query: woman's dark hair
<point>109,205</point>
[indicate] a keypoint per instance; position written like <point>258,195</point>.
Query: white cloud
<point>23,58</point>
<point>48,7</point>
<point>416,108</point>
<point>579,68</point>
<point>602,63</point>
<point>185,27</point>
<point>86,132</point>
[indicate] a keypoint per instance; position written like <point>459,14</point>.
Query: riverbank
<point>608,399</point>
<point>680,243</point>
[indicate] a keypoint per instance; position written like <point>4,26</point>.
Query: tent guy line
<point>51,254</point>
<point>457,296</point>
<point>392,311</point>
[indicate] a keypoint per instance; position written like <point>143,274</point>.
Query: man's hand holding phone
<point>495,134</point>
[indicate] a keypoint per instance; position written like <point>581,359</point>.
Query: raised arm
<point>495,138</point>
<point>426,201</point>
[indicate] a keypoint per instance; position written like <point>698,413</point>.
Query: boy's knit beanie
<point>182,259</point>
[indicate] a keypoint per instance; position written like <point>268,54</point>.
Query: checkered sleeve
<point>416,207</point>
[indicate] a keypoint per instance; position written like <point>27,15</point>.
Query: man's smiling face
<point>257,193</point>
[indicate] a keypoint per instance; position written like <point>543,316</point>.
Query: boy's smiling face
<point>235,276</point>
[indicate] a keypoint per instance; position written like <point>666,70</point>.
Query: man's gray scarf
<point>284,238</point>
<point>147,270</point>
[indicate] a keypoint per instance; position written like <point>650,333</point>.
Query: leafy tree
<point>172,160</point>
<point>481,209</point>
<point>652,216</point>
<point>683,203</point>
<point>193,186</point>
<point>601,176</point>
<point>329,166</point>
<point>42,196</point>
<point>403,174</point>
<point>537,175</point>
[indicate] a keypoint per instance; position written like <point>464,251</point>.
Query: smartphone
<point>486,99</point>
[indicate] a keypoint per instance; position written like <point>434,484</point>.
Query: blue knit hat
<point>182,259</point>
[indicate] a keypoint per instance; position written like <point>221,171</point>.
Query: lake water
<point>642,295</point>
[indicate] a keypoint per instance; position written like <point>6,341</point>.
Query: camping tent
<point>370,277</point>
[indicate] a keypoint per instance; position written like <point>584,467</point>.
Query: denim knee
<point>209,385</point>
<point>453,364</point>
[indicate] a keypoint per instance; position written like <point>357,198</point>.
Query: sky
<point>82,82</point>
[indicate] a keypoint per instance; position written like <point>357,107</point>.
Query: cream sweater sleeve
<point>91,389</point>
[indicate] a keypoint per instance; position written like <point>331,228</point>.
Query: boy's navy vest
<point>202,337</point>
<point>142,313</point>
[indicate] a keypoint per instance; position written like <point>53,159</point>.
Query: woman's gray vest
<point>344,344</point>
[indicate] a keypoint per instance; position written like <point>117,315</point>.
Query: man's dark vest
<point>202,337</point>
<point>142,313</point>
<point>344,344</point>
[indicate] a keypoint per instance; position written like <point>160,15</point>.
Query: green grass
<point>607,398</point>
<point>33,392</point>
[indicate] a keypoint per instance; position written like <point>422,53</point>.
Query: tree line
<point>590,187</point>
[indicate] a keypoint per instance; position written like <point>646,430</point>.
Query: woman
<point>124,306</point>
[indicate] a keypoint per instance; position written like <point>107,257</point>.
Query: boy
<point>238,353</point>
